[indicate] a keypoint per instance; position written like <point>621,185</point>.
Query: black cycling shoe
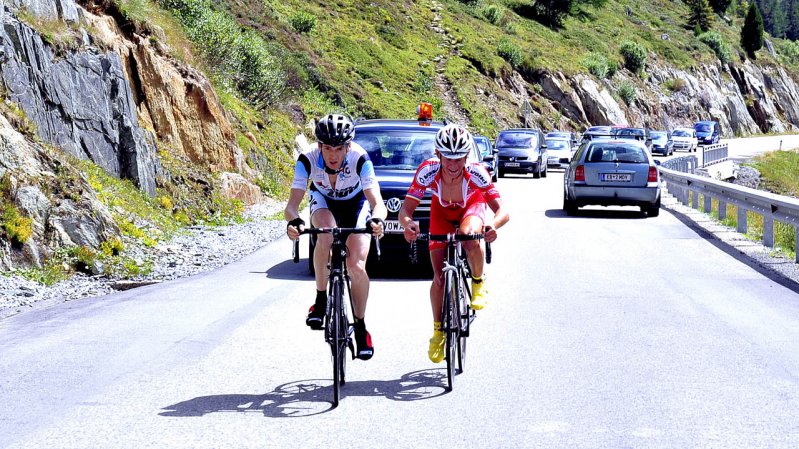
<point>363,340</point>
<point>316,319</point>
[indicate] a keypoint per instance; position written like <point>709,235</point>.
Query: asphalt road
<point>606,330</point>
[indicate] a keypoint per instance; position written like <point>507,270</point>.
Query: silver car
<point>612,173</point>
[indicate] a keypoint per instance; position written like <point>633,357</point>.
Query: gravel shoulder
<point>775,266</point>
<point>199,249</point>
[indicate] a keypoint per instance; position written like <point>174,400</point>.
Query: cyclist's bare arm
<point>406,218</point>
<point>501,217</point>
<point>378,208</point>
<point>292,211</point>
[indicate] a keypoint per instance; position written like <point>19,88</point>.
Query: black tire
<point>546,170</point>
<point>449,325</point>
<point>537,172</point>
<point>568,205</point>
<point>653,210</point>
<point>464,311</point>
<point>494,176</point>
<point>337,343</point>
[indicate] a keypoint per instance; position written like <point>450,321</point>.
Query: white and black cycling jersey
<point>356,175</point>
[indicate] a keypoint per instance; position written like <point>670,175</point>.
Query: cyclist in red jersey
<point>461,191</point>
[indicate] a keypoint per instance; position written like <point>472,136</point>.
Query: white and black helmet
<point>454,141</point>
<point>334,130</point>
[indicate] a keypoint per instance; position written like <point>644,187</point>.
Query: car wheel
<point>494,176</point>
<point>537,172</point>
<point>653,210</point>
<point>546,169</point>
<point>568,205</point>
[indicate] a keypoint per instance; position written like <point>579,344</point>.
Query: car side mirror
<point>543,146</point>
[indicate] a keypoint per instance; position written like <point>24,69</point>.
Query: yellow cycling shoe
<point>436,350</point>
<point>479,295</point>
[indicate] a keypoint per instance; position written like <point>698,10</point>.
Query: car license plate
<point>511,164</point>
<point>394,227</point>
<point>615,177</point>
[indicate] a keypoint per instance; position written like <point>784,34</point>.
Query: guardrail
<point>770,206</point>
<point>713,154</point>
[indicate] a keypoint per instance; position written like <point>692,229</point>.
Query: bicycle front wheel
<point>337,338</point>
<point>450,326</point>
<point>461,292</point>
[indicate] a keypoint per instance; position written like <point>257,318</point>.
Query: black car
<point>521,150</point>
<point>487,155</point>
<point>396,148</point>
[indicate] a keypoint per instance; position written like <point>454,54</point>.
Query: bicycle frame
<point>338,328</point>
<point>456,314</point>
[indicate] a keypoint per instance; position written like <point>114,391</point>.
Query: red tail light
<point>653,174</point>
<point>579,173</point>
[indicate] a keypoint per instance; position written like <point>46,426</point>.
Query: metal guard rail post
<point>712,154</point>
<point>772,207</point>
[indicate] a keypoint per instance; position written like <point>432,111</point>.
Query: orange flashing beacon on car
<point>425,111</point>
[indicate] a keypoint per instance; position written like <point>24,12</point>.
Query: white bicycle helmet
<point>454,141</point>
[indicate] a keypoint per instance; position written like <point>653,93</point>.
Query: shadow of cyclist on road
<point>313,396</point>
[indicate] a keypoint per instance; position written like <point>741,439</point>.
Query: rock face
<point>62,206</point>
<point>744,98</point>
<point>81,103</point>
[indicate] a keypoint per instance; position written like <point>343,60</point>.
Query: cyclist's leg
<point>357,251</point>
<point>472,223</point>
<point>321,217</point>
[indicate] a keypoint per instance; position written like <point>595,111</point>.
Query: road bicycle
<point>338,327</point>
<point>457,314</point>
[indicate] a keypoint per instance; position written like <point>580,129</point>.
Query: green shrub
<point>634,55</point>
<point>596,64</point>
<point>240,58</point>
<point>675,84</point>
<point>112,247</point>
<point>18,229</point>
<point>509,51</point>
<point>393,36</point>
<point>303,21</point>
<point>714,40</point>
<point>84,258</point>
<point>493,13</point>
<point>627,92</point>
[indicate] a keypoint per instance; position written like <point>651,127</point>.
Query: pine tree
<point>720,6</point>
<point>752,31</point>
<point>792,32</point>
<point>701,15</point>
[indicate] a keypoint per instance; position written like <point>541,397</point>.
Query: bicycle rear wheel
<point>450,328</point>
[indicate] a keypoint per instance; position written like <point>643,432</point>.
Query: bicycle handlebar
<point>345,232</point>
<point>448,238</point>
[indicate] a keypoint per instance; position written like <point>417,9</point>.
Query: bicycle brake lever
<point>377,246</point>
<point>412,253</point>
<point>295,251</point>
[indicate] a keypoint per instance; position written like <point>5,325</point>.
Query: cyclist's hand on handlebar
<point>378,227</point>
<point>411,231</point>
<point>294,227</point>
<point>489,234</point>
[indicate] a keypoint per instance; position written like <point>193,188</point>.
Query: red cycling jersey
<point>477,189</point>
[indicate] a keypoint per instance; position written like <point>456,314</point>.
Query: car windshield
<point>483,146</point>
<point>702,128</point>
<point>401,150</point>
<point>614,152</point>
<point>681,133</point>
<point>516,139</point>
<point>660,138</point>
<point>630,132</point>
<point>558,144</point>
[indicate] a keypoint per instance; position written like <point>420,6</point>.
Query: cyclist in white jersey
<point>344,193</point>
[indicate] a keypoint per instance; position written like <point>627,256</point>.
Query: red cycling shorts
<point>444,220</point>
